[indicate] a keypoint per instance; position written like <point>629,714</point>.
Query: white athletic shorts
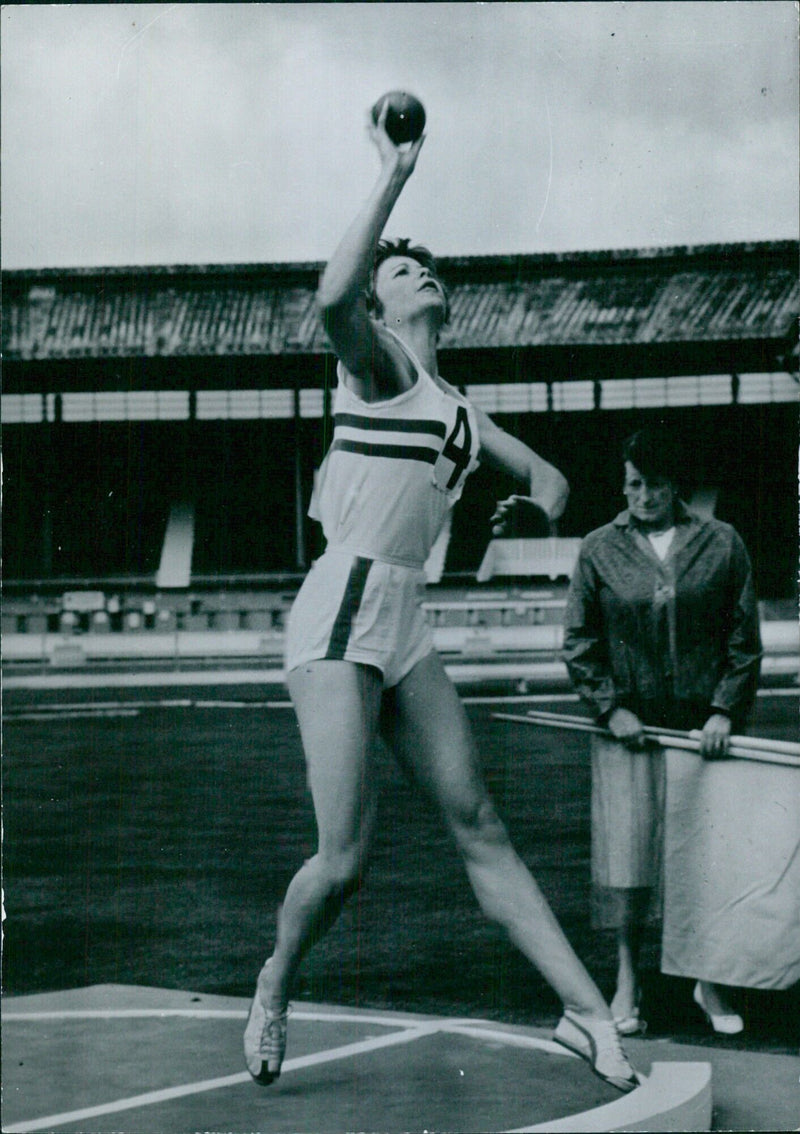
<point>361,610</point>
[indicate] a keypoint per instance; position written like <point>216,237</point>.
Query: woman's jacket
<point>645,634</point>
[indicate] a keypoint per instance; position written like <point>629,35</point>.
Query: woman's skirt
<point>627,833</point>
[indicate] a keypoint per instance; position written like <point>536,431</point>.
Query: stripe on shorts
<point>351,600</point>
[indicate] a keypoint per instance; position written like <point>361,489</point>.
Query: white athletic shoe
<point>597,1041</point>
<point>264,1038</point>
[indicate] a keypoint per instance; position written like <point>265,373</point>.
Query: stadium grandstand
<point>162,425</point>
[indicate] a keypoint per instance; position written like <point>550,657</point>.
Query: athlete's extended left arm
<point>547,487</point>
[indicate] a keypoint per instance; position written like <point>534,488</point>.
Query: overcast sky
<point>227,133</point>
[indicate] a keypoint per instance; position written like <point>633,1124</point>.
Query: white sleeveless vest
<point>394,469</point>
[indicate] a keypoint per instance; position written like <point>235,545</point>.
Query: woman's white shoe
<point>630,1025</point>
<point>725,1024</point>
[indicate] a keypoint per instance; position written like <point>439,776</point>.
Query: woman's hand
<point>715,737</point>
<point>626,726</point>
<point>520,516</point>
<point>393,157</point>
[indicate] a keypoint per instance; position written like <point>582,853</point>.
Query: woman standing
<point>403,444</point>
<point>661,629</point>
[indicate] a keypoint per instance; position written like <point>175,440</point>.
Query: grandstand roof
<point>701,294</point>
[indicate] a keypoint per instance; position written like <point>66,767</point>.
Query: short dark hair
<point>654,452</point>
<point>402,247</point>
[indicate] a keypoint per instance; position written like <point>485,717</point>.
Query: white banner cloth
<point>731,871</point>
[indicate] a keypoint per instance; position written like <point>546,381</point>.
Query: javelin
<point>742,747</point>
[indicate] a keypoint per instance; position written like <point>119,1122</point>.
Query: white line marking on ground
<point>150,1098</point>
<point>228,704</point>
<point>514,1039</point>
<point>162,703</point>
<point>54,711</point>
<point>129,1014</point>
<point>395,1020</point>
<point>69,714</point>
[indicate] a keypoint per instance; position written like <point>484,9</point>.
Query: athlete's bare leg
<point>337,705</point>
<point>430,732</point>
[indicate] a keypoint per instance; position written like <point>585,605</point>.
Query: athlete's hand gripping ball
<point>405,116</point>
<point>398,158</point>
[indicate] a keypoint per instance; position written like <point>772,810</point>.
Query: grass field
<point>150,843</point>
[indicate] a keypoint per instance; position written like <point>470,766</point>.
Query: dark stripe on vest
<point>398,425</point>
<point>400,452</point>
<point>353,593</point>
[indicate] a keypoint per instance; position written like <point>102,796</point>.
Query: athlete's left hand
<point>520,516</point>
<point>715,736</point>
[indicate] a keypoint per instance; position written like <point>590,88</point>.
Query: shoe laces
<point>609,1041</point>
<point>273,1034</point>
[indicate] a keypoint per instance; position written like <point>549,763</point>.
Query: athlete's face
<point>405,288</point>
<point>651,500</point>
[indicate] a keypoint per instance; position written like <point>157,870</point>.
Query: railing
<point>89,627</point>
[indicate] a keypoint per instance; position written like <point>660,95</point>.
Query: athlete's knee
<point>479,828</point>
<point>342,870</point>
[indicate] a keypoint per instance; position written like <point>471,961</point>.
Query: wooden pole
<point>674,739</point>
<point>755,742</point>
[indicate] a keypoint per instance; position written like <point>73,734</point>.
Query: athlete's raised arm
<point>371,356</point>
<point>547,487</point>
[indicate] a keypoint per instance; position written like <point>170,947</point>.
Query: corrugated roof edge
<point>517,263</point>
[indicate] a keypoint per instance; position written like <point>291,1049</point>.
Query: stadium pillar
<point>46,569</point>
<point>300,543</point>
<point>51,426</point>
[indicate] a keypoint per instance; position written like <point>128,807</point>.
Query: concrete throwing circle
<point>118,1058</point>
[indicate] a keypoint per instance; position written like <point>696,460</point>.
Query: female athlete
<point>404,442</point>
